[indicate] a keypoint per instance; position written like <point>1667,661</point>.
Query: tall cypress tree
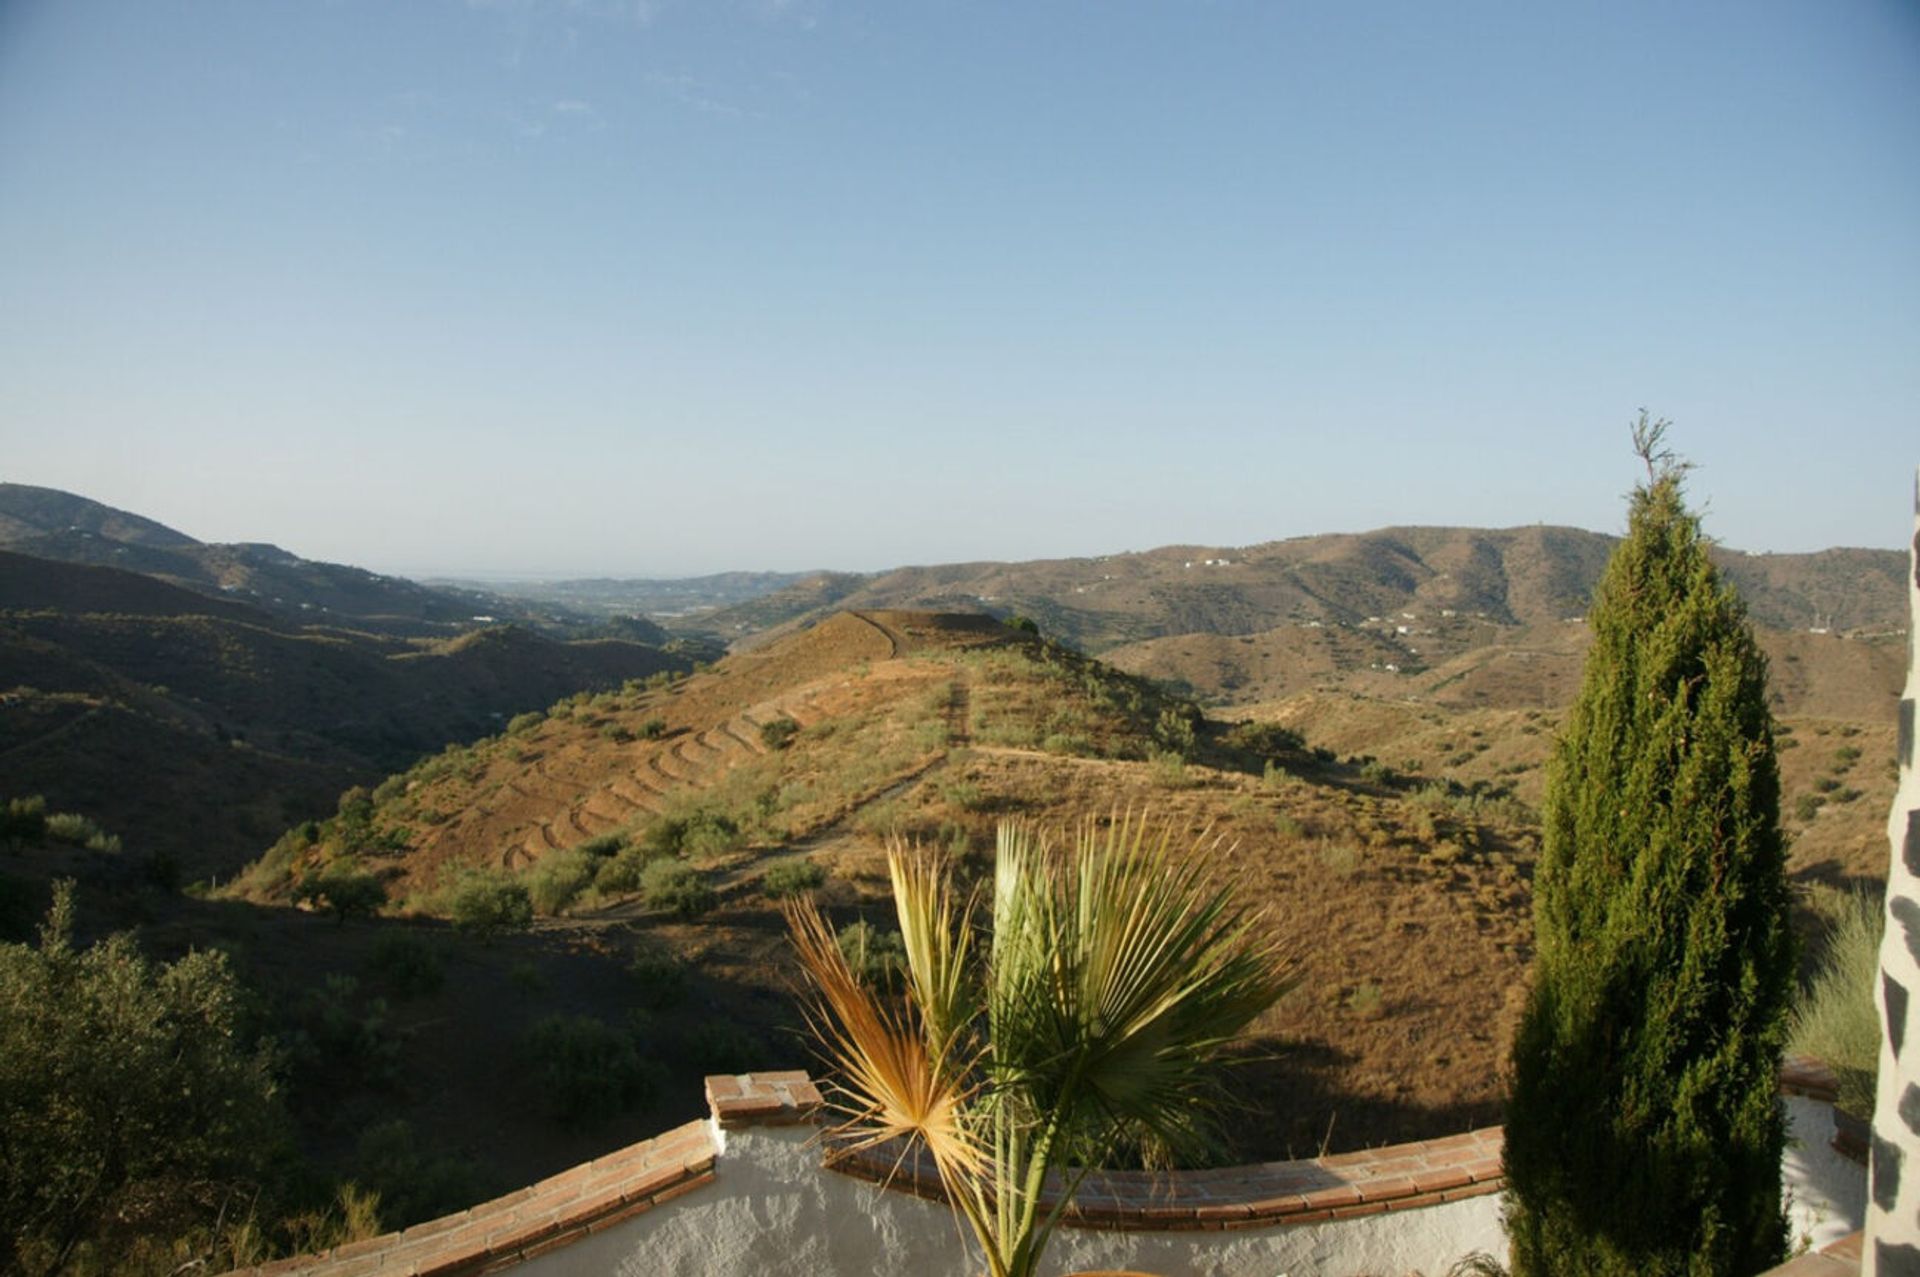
<point>1644,1132</point>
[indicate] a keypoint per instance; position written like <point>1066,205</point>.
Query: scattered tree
<point>777,733</point>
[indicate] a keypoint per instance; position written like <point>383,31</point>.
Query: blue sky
<point>657,288</point>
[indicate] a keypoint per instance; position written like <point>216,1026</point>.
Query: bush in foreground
<point>131,1104</point>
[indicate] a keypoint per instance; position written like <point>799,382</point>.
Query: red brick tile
<point>621,1216</point>
<point>1222,1211</point>
<point>567,1237</point>
<point>1379,1190</point>
<point>1443,1177</point>
<point>1485,1168</point>
<point>681,1189</point>
<point>1415,1202</point>
<point>1332,1195</point>
<point>1355,1212</point>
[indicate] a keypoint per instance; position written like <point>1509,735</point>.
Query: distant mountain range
<point>659,598</point>
<point>50,524</point>
<point>197,698</point>
<point>1509,577</point>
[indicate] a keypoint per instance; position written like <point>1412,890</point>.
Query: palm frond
<point>892,1086</point>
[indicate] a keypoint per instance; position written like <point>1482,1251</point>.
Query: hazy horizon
<point>609,287</point>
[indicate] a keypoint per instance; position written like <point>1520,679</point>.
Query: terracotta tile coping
<point>1838,1259</point>
<point>1261,1195</point>
<point>599,1194</point>
<point>545,1216</point>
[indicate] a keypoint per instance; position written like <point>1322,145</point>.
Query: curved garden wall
<point>746,1193</point>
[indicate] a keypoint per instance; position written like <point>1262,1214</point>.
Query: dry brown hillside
<point>1524,576</point>
<point>198,728</point>
<point>1405,903</point>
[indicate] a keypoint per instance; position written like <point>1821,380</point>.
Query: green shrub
<point>1834,1018</point>
<point>343,891</point>
<point>670,884</point>
<point>79,831</point>
<point>877,957</point>
<point>701,832</point>
<point>413,1185</point>
<point>342,1039</point>
<point>1175,730</point>
<point>558,877</point>
<point>1169,770</point>
<point>521,724</point>
<point>776,733</point>
<point>584,1070</point>
<point>1377,772</point>
<point>620,874</point>
<point>653,729</point>
<point>1644,1131</point>
<point>486,902</point>
<point>963,794</point>
<point>409,965</point>
<point>722,1046</point>
<point>24,820</point>
<point>792,877</point>
<point>1264,740</point>
<point>131,1095</point>
<point>1807,806</point>
<point>601,845</point>
<point>660,975</point>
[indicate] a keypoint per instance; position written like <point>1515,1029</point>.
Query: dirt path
<point>894,639</point>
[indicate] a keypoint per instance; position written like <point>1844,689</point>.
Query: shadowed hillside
<point>201,727</point>
<point>60,526</point>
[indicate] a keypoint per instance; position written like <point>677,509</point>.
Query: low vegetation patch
<point>1834,1018</point>
<point>793,877</point>
<point>678,887</point>
<point>585,1070</point>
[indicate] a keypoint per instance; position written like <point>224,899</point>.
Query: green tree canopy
<point>1645,1132</point>
<point>130,1102</point>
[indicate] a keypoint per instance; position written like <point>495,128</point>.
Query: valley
<point>572,853</point>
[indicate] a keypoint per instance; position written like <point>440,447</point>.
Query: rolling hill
<point>201,726</point>
<point>1512,577</point>
<point>50,524</point>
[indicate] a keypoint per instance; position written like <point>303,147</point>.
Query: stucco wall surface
<point>773,1212</point>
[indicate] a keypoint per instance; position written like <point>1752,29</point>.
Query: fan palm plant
<point>1111,978</point>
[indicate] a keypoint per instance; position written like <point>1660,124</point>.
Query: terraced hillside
<point>1405,903</point>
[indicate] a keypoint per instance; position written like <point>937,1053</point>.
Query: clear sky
<point>564,286</point>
